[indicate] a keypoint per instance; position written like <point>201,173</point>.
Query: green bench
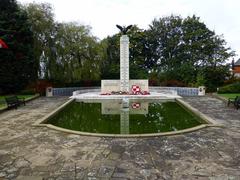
<point>14,101</point>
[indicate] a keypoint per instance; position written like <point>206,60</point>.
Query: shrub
<point>231,88</point>
<point>200,81</point>
<point>231,81</point>
<point>173,83</point>
<point>40,86</point>
<point>27,92</point>
<point>153,82</point>
<point>81,83</point>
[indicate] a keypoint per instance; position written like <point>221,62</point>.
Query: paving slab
<point>28,151</point>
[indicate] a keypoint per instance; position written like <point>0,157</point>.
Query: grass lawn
<point>20,96</point>
<point>3,103</point>
<point>229,95</point>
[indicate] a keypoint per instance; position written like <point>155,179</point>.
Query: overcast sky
<point>222,16</point>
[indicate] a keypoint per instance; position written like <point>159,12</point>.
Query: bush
<point>83,83</point>
<point>153,82</point>
<point>40,86</point>
<point>231,88</point>
<point>232,81</point>
<point>173,83</point>
<point>27,92</point>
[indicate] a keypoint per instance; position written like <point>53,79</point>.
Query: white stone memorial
<point>119,89</point>
<point>124,84</point>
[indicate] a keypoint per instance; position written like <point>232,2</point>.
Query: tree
<point>110,67</point>
<point>180,49</point>
<point>41,18</point>
<point>66,52</point>
<point>18,66</point>
<point>137,53</point>
<point>111,63</point>
<point>78,54</point>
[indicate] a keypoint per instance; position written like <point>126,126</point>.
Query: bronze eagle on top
<point>124,29</point>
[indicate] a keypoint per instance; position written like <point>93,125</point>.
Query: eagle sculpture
<point>124,29</point>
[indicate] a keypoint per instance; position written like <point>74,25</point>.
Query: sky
<point>222,16</point>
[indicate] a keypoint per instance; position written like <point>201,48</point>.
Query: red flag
<point>3,44</point>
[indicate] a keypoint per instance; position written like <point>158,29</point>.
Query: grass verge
<point>3,104</point>
<point>229,95</point>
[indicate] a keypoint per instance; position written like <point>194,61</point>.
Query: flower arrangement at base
<point>136,90</point>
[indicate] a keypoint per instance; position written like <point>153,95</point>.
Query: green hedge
<point>231,88</point>
<point>27,92</point>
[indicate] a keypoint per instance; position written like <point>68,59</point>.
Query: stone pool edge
<point>46,117</point>
<point>210,121</point>
<point>196,112</point>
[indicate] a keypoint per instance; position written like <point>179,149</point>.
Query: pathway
<point>39,152</point>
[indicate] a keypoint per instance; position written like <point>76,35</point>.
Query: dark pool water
<point>140,118</point>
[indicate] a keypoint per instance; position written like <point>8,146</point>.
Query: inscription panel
<point>124,63</point>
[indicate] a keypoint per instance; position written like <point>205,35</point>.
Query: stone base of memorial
<point>109,86</point>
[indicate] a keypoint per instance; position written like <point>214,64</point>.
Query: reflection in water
<point>139,117</point>
<point>124,121</point>
<point>124,108</point>
<point>115,107</point>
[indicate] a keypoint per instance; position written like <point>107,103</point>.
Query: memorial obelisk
<point>124,63</point>
<point>125,84</point>
<point>124,58</point>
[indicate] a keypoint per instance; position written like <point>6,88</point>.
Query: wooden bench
<point>235,101</point>
<point>14,101</point>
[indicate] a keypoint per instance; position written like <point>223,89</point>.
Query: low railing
<point>182,91</point>
<point>69,90</point>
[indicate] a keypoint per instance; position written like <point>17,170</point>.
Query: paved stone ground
<point>28,152</point>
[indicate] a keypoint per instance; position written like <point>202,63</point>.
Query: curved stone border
<point>125,135</point>
<point>198,113</point>
<point>45,118</point>
<point>210,121</point>
<point>215,95</point>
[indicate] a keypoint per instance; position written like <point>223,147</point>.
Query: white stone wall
<point>107,86</point>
